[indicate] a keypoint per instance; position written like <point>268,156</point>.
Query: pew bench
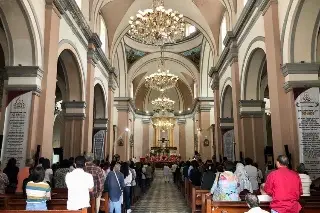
<point>196,200</point>
<point>48,211</point>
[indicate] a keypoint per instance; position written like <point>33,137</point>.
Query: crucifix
<point>163,141</point>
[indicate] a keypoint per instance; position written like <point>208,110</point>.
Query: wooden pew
<point>48,211</point>
<point>196,200</point>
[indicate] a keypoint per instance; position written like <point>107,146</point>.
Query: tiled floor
<point>161,198</point>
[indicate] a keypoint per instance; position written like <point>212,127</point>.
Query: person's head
<point>29,162</point>
<point>37,174</point>
<point>89,157</point>
<point>229,166</point>
<point>46,164</point>
<point>220,168</point>
<point>112,164</point>
<point>117,167</point>
<point>71,160</point>
<point>124,169</point>
<point>225,159</point>
<point>239,167</point>
<point>11,163</point>
<point>282,161</point>
<point>252,200</point>
<point>248,161</point>
<point>211,168</point>
<point>41,160</point>
<point>188,163</point>
<point>132,165</point>
<point>195,164</point>
<point>106,165</point>
<point>65,164</point>
<point>255,165</point>
<point>301,169</point>
<point>262,189</point>
<point>80,162</point>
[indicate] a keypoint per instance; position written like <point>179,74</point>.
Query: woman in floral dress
<point>225,185</point>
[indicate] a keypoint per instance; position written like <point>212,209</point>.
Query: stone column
<point>101,124</point>
<point>74,115</point>
<point>251,112</point>
<point>182,139</point>
<point>283,122</point>
<point>94,43</point>
<point>46,103</point>
<point>22,79</point>
<point>145,137</point>
<point>122,143</point>
<point>205,140</point>
<point>110,139</point>
<point>217,130</point>
<point>233,57</point>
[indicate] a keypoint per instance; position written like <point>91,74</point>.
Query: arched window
<point>79,3</point>
<point>223,32</point>
<point>245,2</point>
<point>103,34</point>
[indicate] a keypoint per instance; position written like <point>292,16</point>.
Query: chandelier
<point>163,120</point>
<point>163,103</point>
<point>157,26</point>
<point>162,79</point>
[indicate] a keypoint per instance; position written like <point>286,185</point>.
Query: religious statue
<point>206,142</point>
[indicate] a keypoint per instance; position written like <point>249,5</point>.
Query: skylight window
<point>79,3</point>
<point>190,29</point>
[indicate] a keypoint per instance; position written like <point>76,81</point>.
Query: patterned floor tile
<point>161,198</point>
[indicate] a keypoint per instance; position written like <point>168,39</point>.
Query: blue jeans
<point>116,206</point>
<point>36,206</point>
<point>126,194</point>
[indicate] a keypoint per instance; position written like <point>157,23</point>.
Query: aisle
<point>161,198</point>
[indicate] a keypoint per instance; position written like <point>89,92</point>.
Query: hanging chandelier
<point>163,103</point>
<point>163,120</point>
<point>162,79</point>
<point>157,26</point>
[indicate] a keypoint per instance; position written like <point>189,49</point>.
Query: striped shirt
<point>37,192</point>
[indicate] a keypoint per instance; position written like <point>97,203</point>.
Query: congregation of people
<point>82,177</point>
<point>236,181</point>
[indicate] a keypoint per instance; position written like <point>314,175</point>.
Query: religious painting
<point>206,142</point>
<point>120,142</point>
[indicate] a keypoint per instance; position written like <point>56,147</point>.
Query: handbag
<point>121,197</point>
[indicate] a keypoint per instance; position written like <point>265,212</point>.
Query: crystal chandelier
<point>163,103</point>
<point>163,120</point>
<point>162,79</point>
<point>157,26</point>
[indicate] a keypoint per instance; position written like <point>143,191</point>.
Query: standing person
<point>285,188</point>
<point>260,175</point>
<point>174,172</point>
<point>127,182</point>
<point>305,179</point>
<point>48,171</point>
<point>243,179</point>
<point>252,172</point>
<point>38,191</point>
<point>149,172</point>
<point>114,185</point>
<point>134,177</point>
<point>144,177</point>
<point>12,171</point>
<point>208,177</point>
<point>4,181</point>
<point>23,174</point>
<point>98,178</point>
<point>166,171</point>
<point>253,203</point>
<point>79,184</point>
<point>264,197</point>
<point>225,185</point>
<point>195,174</point>
<point>60,175</point>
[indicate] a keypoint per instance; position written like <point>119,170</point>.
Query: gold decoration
<point>163,103</point>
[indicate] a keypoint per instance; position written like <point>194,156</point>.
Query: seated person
<point>208,177</point>
<point>25,182</point>
<point>253,203</point>
<point>264,197</point>
<point>305,179</point>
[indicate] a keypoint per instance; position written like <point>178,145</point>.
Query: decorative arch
<point>304,27</point>
<point>22,32</point>
<point>70,59</point>
<point>99,102</point>
<point>226,100</point>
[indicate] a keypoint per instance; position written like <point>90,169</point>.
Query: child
<point>166,172</point>
<point>38,191</point>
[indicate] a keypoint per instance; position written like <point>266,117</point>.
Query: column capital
<point>112,83</point>
<point>300,75</point>
<point>215,81</point>
<point>74,110</point>
<point>226,123</point>
<point>252,108</point>
<point>92,56</point>
<point>265,4</point>
<point>100,124</point>
<point>123,103</point>
<point>233,52</point>
<point>26,78</point>
<point>181,121</point>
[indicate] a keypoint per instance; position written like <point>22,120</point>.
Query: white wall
<point>138,138</point>
<point>189,138</point>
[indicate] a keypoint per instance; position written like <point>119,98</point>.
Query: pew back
<point>48,211</point>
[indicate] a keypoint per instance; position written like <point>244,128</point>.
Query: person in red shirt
<point>285,188</point>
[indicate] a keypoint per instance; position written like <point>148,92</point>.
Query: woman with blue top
<point>38,191</point>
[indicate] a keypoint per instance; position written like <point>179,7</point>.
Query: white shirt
<point>174,167</point>
<point>253,176</point>
<point>264,198</point>
<point>128,179</point>
<point>78,183</point>
<point>166,170</point>
<point>256,210</point>
<point>144,172</point>
<point>306,182</point>
<point>48,175</point>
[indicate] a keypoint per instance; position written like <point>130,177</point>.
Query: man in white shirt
<point>252,173</point>
<point>253,203</point>
<point>79,184</point>
<point>173,170</point>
